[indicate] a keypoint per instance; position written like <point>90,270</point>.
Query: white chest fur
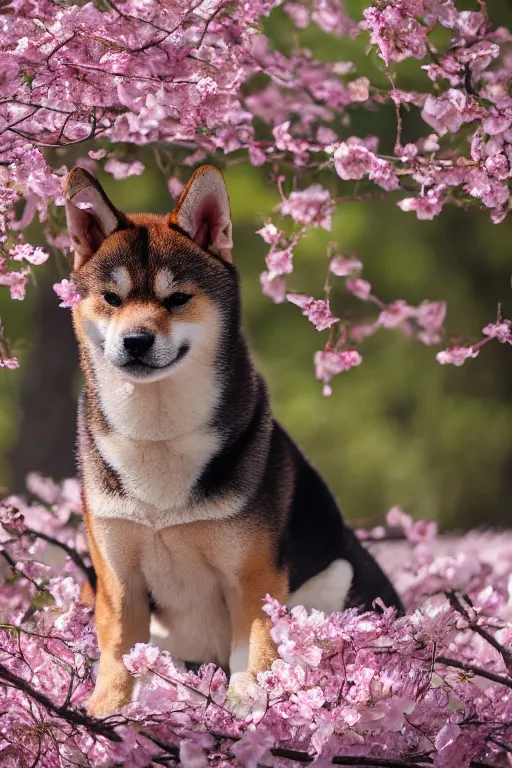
<point>157,478</point>
<point>193,616</point>
<point>158,443</point>
<point>160,473</point>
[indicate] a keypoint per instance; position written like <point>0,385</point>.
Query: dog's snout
<point>137,344</point>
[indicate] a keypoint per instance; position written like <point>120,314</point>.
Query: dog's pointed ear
<point>90,215</point>
<point>203,212</point>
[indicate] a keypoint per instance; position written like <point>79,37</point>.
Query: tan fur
<point>209,581</point>
<point>122,618</point>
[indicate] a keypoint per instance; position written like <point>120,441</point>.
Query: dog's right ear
<point>90,215</point>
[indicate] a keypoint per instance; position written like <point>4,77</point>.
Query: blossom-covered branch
<point>429,688</point>
<point>181,77</point>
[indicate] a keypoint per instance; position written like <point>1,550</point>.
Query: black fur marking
<point>142,245</point>
<point>223,471</point>
<point>107,476</point>
<point>369,581</point>
<point>316,536</point>
<point>315,528</point>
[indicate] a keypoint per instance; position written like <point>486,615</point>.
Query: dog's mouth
<point>139,366</point>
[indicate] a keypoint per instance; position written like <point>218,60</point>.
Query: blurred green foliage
<point>400,429</point>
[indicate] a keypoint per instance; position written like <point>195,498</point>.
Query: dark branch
<point>466,667</point>
<point>70,715</point>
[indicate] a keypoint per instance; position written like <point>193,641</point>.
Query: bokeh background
<point>399,429</point>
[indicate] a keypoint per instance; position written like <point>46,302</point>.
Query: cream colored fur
<point>123,281</point>
<point>163,283</point>
<point>327,592</point>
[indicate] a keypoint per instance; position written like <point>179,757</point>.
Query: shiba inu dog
<point>196,502</point>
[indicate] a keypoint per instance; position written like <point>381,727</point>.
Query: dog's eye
<point>176,300</point>
<point>113,299</point>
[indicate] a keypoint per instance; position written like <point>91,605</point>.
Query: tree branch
<point>467,667</point>
<point>70,715</point>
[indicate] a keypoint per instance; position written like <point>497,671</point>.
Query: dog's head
<point>156,289</point>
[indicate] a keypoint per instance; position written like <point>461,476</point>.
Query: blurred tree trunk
<point>47,402</point>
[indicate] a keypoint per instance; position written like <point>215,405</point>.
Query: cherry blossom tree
<point>202,81</point>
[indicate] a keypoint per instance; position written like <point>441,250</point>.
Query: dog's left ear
<point>203,212</point>
<point>90,215</point>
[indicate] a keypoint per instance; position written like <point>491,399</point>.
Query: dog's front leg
<point>252,648</point>
<point>122,616</point>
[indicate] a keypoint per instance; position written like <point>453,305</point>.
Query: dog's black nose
<point>137,344</point>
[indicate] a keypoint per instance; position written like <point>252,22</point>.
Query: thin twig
<point>466,667</point>
<point>70,715</point>
<point>72,553</point>
<point>458,606</point>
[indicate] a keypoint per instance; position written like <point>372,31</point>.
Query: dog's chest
<point>191,605</point>
<point>157,475</point>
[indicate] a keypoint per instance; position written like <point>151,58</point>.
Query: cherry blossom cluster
<point>201,80</point>
<point>313,207</point>
<point>15,278</point>
<point>430,688</point>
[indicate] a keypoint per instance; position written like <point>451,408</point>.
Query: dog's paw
<point>245,697</point>
<point>106,700</point>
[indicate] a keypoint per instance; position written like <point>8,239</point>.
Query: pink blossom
<point>331,17</point>
<point>383,174</point>
<point>345,684</point>
<point>329,363</point>
<point>122,170</point>
<point>256,156</point>
<point>141,658</point>
<point>274,287</point>
<point>501,330</point>
<point>325,135</point>
<point>311,206</point>
<point>66,290</point>
<point>298,14</point>
<point>35,256</point>
<point>279,262</point>
<point>341,266</point>
<point>358,287</point>
<point>455,355</point>
<point>359,89</point>
<point>415,532</point>
<point>430,316</point>
<point>11,363</point>
<point>495,123</point>
<point>175,186</point>
<point>353,161</point>
<point>270,233</point>
<point>43,487</point>
<point>426,207</point>
<point>282,135</point>
<point>16,281</point>
<point>395,314</point>
<point>396,32</point>
<point>444,739</point>
<point>498,165</point>
<point>360,331</point>
<point>318,312</point>
<point>447,112</point>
